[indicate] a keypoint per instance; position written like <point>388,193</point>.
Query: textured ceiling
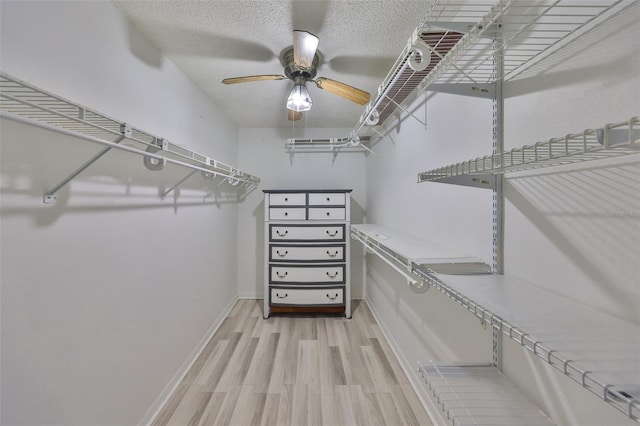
<point>212,40</point>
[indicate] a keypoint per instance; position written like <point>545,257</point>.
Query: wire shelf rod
<point>411,281</point>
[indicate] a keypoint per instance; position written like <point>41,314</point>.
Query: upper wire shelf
<point>24,102</point>
<point>460,41</point>
<point>611,140</point>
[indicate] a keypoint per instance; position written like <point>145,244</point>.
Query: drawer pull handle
<point>279,296</point>
<point>286,213</point>
<point>328,199</point>
<point>286,252</point>
<point>286,199</point>
<point>328,213</point>
<point>332,255</point>
<point>332,234</point>
<point>332,276</point>
<point>282,234</point>
<point>281,275</point>
<point>332,297</point>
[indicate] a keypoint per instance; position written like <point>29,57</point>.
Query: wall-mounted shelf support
<point>180,182</point>
<point>476,90</point>
<point>406,110</point>
<point>50,196</point>
<point>478,181</point>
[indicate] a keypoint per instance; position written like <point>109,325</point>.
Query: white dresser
<point>307,251</point>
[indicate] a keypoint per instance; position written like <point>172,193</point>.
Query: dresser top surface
<point>291,191</point>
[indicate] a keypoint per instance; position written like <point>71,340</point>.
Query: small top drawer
<point>327,199</point>
<point>287,213</point>
<point>327,213</point>
<point>289,199</point>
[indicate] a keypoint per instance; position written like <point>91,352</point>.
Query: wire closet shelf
<point>608,141</point>
<point>455,46</point>
<point>471,394</point>
<point>23,102</point>
<point>598,351</point>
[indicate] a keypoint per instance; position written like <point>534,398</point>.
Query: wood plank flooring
<point>295,370</point>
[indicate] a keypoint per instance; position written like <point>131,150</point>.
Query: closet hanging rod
<point>46,126</point>
<point>413,283</point>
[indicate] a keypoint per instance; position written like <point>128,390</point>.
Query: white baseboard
<point>411,371</point>
<point>166,393</point>
<point>250,295</point>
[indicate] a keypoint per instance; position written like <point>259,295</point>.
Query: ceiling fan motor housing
<point>291,70</point>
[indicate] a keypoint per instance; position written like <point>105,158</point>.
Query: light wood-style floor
<point>295,370</point>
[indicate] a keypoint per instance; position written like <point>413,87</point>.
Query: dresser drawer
<point>308,274</point>
<point>327,213</point>
<point>293,199</point>
<point>306,297</point>
<point>327,199</point>
<point>295,253</point>
<point>287,213</point>
<point>307,233</point>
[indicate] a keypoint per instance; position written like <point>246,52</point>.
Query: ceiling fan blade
<point>248,78</point>
<point>294,115</point>
<point>348,92</point>
<point>305,45</point>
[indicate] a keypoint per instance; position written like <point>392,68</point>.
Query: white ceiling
<point>212,40</point>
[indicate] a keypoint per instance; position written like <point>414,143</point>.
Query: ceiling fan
<point>300,62</point>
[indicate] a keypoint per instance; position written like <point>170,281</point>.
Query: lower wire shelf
<point>478,394</point>
<point>594,349</point>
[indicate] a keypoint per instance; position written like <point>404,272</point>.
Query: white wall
<point>263,152</point>
<point>558,234</point>
<point>106,293</point>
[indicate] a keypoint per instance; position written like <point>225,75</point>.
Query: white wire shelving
<point>522,32</point>
<point>453,50</point>
<point>611,140</point>
<point>479,394</point>
<point>26,103</point>
<point>334,146</point>
<point>407,254</point>
<point>598,351</point>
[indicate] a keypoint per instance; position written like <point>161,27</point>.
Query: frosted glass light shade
<point>299,99</point>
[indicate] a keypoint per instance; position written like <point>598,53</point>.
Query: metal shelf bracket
<point>476,90</point>
<point>168,191</point>
<point>478,181</point>
<point>50,196</point>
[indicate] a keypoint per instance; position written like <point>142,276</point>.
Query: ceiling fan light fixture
<point>299,99</point>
